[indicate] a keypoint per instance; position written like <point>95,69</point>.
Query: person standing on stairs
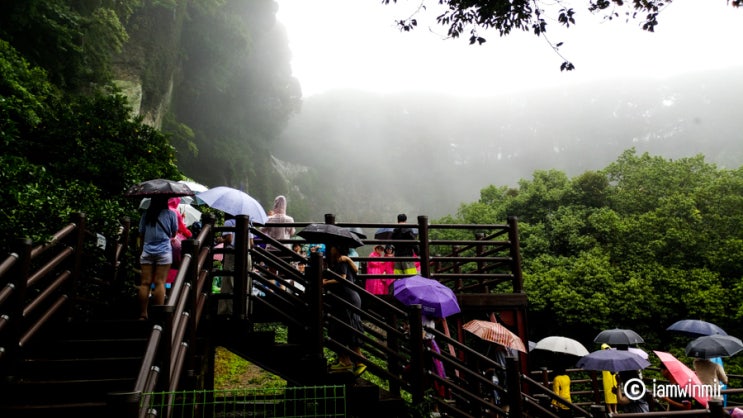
<point>339,263</point>
<point>157,226</point>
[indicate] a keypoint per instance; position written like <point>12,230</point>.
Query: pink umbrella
<point>683,375</point>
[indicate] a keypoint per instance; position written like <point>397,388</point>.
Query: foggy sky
<point>420,125</point>
<point>343,44</point>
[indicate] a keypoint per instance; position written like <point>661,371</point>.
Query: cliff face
<point>214,75</point>
<point>147,68</point>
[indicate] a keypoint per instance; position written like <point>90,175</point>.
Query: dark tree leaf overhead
<point>477,17</point>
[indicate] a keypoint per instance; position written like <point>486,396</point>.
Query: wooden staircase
<point>89,367</point>
<point>71,370</point>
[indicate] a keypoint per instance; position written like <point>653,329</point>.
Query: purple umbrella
<point>436,300</point>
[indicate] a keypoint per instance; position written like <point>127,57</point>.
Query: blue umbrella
<point>612,360</point>
<point>436,300</point>
<point>696,328</point>
<point>233,201</point>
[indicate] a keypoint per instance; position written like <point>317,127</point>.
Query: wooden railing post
<point>240,291</point>
<point>393,362</point>
<point>417,369</point>
<point>425,251</point>
<point>315,364</point>
<point>14,315</point>
<point>595,387</point>
<point>715,408</point>
<point>76,241</point>
<point>479,251</point>
<point>115,250</point>
<point>513,237</point>
<point>191,247</point>
<point>513,379</point>
<point>545,376</point>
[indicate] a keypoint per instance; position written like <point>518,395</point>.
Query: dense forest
<point>640,242</point>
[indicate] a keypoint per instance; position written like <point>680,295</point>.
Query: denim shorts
<point>157,259</point>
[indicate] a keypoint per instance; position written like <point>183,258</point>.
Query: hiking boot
<point>360,369</point>
<point>340,368</point>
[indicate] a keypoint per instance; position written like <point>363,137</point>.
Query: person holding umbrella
<point>339,263</point>
<point>561,387</point>
<point>710,373</point>
<point>627,379</point>
<point>157,226</point>
<point>405,249</point>
<point>609,380</point>
<point>676,404</point>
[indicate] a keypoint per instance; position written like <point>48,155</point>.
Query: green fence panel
<point>309,401</point>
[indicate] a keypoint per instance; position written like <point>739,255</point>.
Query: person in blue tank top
<point>157,226</point>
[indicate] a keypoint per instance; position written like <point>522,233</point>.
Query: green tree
<point>66,153</point>
<point>73,40</point>
<point>640,244</point>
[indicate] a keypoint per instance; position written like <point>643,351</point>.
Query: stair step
<point>88,348</point>
<point>89,368</point>
<point>37,410</point>
<point>29,391</point>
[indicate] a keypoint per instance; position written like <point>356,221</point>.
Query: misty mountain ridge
<point>425,154</point>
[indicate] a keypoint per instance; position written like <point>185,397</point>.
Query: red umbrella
<point>496,333</point>
<point>683,375</point>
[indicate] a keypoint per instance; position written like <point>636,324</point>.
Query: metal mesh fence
<point>310,401</point>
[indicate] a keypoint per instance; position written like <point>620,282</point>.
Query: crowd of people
<point>619,398</point>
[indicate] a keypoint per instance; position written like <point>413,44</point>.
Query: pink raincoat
<point>377,286</point>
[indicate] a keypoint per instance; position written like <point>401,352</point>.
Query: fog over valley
<point>425,154</point>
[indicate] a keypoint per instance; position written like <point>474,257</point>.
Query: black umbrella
<point>383,233</point>
<point>331,235</point>
<point>159,187</point>
<point>358,232</point>
<point>695,328</point>
<point>709,346</point>
<point>618,336</point>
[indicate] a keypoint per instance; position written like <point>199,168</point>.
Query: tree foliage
<point>471,18</point>
<point>66,153</point>
<point>73,41</point>
<point>640,244</point>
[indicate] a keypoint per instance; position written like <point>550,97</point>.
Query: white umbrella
<point>196,187</point>
<point>233,201</point>
<point>190,214</point>
<point>565,345</point>
<point>640,352</point>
